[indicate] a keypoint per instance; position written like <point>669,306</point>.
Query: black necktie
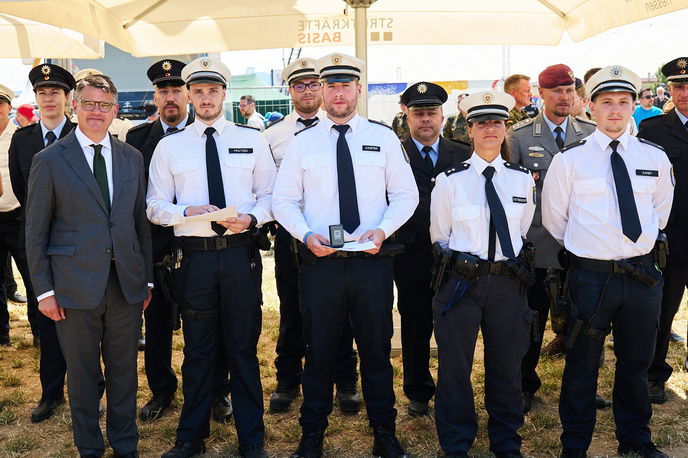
<point>307,122</point>
<point>172,129</point>
<point>216,190</point>
<point>630,223</point>
<point>100,173</point>
<point>427,158</point>
<point>559,139</point>
<point>348,202</point>
<point>498,223</point>
<point>50,137</point>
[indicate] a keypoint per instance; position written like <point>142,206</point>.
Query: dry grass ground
<point>347,436</point>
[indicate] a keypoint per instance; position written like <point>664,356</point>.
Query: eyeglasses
<point>244,105</point>
<point>300,87</point>
<point>648,97</point>
<point>90,105</point>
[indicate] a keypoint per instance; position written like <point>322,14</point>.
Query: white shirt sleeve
<point>402,190</point>
<point>556,195</point>
<point>263,181</point>
<point>440,211</point>
<point>287,195</point>
<point>529,211</point>
<point>663,196</point>
<point>161,192</point>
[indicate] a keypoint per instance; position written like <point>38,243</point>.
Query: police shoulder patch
<point>305,128</point>
<point>381,123</point>
<point>648,142</point>
<point>175,132</point>
<point>586,120</point>
<point>276,122</point>
<point>522,123</point>
<point>457,168</point>
<point>573,145</point>
<point>514,166</point>
<point>247,126</point>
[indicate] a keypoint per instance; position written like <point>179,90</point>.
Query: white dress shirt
<point>306,194</point>
<point>280,134</point>
<point>89,154</point>
<point>460,215</point>
<point>579,203</point>
<point>8,201</point>
<point>57,130</point>
<point>256,120</point>
<point>178,177</point>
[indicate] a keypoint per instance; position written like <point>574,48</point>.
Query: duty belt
<point>619,266</point>
<point>214,243</point>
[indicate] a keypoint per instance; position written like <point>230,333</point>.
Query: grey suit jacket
<point>71,239</point>
<point>532,145</point>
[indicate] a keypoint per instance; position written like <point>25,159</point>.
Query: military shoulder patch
<point>175,132</point>
<point>513,166</point>
<point>586,120</point>
<point>247,126</point>
<point>648,142</point>
<point>305,128</point>
<point>382,123</point>
<point>522,123</point>
<point>276,122</point>
<point>457,168</point>
<point>573,145</point>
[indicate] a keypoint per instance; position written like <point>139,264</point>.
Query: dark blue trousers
<point>290,345</point>
<point>223,286</point>
<point>499,308</point>
<point>632,310</point>
<point>334,291</point>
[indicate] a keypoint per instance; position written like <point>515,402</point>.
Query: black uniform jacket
<point>668,132</point>
<point>415,263</point>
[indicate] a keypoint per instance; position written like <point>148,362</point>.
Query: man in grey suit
<point>89,251</point>
<point>533,143</point>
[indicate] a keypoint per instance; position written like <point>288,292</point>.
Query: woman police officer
<point>480,210</point>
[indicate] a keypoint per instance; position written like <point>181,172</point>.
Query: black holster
<point>163,280</point>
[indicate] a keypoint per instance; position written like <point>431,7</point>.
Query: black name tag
<point>519,200</point>
<point>371,148</point>
<point>240,150</point>
<point>647,173</point>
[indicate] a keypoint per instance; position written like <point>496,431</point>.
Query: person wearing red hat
<point>25,115</point>
<point>533,143</point>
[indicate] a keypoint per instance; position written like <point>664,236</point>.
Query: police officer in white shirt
<point>347,171</point>
<point>210,165</point>
<point>306,94</point>
<point>480,213</point>
<point>605,199</point>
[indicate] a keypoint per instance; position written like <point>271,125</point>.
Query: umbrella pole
<point>361,21</point>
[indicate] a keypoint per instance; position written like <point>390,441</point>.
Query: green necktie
<point>100,172</point>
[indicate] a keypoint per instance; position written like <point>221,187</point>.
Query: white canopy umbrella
<point>167,27</point>
<point>25,38</point>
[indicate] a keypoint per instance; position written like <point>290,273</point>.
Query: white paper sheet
<point>219,215</point>
<point>355,246</point>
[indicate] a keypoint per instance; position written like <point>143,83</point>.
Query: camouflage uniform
<point>400,126</point>
<point>456,128</point>
<point>516,115</point>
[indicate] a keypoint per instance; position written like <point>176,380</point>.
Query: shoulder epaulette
<point>175,132</point>
<point>381,123</point>
<point>246,126</point>
<point>23,128</point>
<point>573,145</point>
<point>514,166</point>
<point>276,122</point>
<point>457,168</point>
<point>648,142</point>
<point>522,123</point>
<point>586,120</point>
<point>305,128</point>
<point>140,127</point>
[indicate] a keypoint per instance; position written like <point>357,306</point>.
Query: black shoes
<point>602,403</point>
<point>222,410</point>
<point>348,399</point>
<point>310,445</point>
<point>418,409</point>
<point>657,393</point>
<point>386,444</point>
<point>155,408</point>
<point>185,450</point>
<point>282,398</point>
<point>253,451</point>
<point>573,453</point>
<point>648,450</point>
<point>45,410</point>
<point>526,402</point>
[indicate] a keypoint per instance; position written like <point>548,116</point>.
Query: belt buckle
<point>221,243</point>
